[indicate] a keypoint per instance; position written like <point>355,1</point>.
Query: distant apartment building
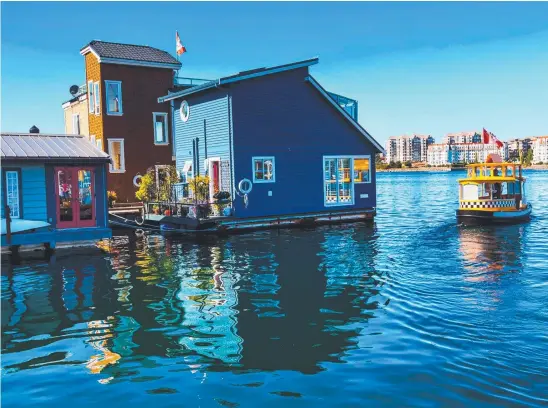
<point>517,146</point>
<point>463,137</point>
<point>540,150</point>
<point>462,153</point>
<point>75,111</point>
<point>406,148</point>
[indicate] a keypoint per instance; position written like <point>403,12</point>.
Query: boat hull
<point>476,217</point>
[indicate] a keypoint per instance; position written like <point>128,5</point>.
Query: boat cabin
<point>53,189</point>
<point>492,187</point>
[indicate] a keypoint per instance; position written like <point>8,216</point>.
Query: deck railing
<point>190,81</point>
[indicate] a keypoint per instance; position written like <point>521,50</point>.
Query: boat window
<point>510,188</point>
<point>497,172</point>
<point>478,171</point>
<point>484,190</point>
<point>13,196</point>
<point>337,181</point>
<point>509,171</point>
<point>470,192</point>
<point>504,189</point>
<point>263,170</point>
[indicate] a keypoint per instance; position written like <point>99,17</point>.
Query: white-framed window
<point>114,97</point>
<point>159,120</point>
<point>97,97</point>
<point>12,193</point>
<point>91,97</point>
<point>338,181</point>
<point>75,123</point>
<point>117,157</point>
<point>184,111</point>
<point>264,170</point>
<point>92,139</point>
<point>99,143</point>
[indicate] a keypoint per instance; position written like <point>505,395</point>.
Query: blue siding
<point>284,116</point>
<point>34,193</point>
<point>213,137</point>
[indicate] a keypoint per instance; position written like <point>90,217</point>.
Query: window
<point>114,97</point>
<point>91,97</point>
<point>99,143</point>
<point>116,152</point>
<point>362,170</point>
<point>186,173</point>
<point>12,193</point>
<point>338,186</point>
<point>263,170</point>
<point>184,111</point>
<point>160,127</point>
<point>97,96</point>
<point>76,124</point>
<point>92,139</point>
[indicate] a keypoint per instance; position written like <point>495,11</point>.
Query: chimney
<point>34,129</point>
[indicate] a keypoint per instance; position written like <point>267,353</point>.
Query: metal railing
<point>190,81</point>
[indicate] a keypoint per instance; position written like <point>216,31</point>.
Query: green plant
<point>146,191</point>
<point>111,196</point>
<point>528,159</point>
<point>199,186</point>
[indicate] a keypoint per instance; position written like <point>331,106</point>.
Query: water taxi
<point>493,193</point>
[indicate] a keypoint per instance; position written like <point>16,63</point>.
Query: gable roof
<point>240,76</point>
<point>344,113</point>
<point>43,147</point>
<point>130,54</point>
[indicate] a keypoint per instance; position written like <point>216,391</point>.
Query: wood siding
<point>34,193</point>
<point>93,73</point>
<point>209,123</point>
<point>284,116</point>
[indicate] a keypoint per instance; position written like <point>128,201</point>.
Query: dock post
<point>8,224</point>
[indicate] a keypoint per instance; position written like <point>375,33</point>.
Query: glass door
<point>338,182</point>
<point>75,197</point>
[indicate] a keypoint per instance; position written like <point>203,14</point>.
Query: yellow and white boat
<point>493,193</point>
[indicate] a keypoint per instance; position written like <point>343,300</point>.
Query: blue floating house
<point>278,142</point>
<point>53,189</point>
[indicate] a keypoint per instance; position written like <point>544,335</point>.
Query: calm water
<point>416,311</point>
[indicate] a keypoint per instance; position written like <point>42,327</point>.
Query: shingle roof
<point>132,52</point>
<point>42,147</point>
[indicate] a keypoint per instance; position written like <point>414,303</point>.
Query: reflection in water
<point>489,252</point>
<point>330,316</point>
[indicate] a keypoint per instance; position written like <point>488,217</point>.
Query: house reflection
<point>266,301</point>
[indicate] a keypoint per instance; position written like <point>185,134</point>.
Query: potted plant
<point>156,210</point>
<point>111,195</point>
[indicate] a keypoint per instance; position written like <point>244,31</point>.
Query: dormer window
<point>114,97</point>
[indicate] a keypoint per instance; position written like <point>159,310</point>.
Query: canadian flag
<point>179,47</point>
<point>489,138</point>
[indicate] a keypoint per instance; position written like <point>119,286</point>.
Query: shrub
<point>199,186</point>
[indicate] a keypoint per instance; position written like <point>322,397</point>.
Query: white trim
<point>353,192</point>
<point>91,103</point>
<point>166,133</point>
<point>364,132</point>
<point>210,162</point>
<point>121,61</point>
<point>77,115</point>
<point>97,96</point>
<point>120,101</point>
<point>18,195</point>
<point>122,156</point>
<point>66,105</point>
<point>99,144</point>
<point>264,158</point>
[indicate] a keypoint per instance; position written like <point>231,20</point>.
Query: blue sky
<point>414,67</point>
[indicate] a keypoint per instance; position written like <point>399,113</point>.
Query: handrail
<point>190,81</point>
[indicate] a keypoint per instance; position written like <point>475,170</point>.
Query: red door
<point>75,197</point>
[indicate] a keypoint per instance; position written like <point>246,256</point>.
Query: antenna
<point>74,89</point>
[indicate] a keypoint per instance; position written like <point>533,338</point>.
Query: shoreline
<point>536,167</point>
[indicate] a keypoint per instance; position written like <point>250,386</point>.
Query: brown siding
<point>141,88</point>
<point>93,73</point>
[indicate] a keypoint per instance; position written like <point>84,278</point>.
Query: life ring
<point>137,180</point>
<point>241,185</point>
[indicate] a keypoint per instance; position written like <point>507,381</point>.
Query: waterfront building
<point>519,148</point>
<point>462,153</point>
<point>463,137</point>
<point>276,141</point>
<point>413,148</point>
<point>540,150</point>
<point>119,110</point>
<point>54,188</point>
<point>75,111</point>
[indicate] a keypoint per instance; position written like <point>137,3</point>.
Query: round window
<point>184,111</point>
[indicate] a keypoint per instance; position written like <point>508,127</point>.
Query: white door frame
<point>210,161</point>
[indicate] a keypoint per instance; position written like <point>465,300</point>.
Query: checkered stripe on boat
<point>488,204</point>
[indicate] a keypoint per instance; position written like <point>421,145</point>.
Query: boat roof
<point>485,179</point>
<point>493,164</point>
<point>39,147</point>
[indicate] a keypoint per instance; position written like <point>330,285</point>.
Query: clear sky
<point>414,67</point>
